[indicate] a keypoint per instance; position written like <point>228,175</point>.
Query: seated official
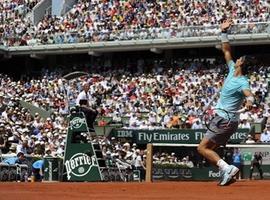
<point>83,101</point>
<point>20,159</point>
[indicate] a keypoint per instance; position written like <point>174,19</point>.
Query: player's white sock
<point>222,164</point>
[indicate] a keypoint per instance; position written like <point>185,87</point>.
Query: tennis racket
<point>210,113</point>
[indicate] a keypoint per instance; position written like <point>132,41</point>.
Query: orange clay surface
<point>241,190</point>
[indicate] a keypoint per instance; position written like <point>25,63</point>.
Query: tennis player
<point>235,89</point>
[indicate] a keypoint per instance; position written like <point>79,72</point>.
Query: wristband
<point>224,37</point>
<point>250,98</point>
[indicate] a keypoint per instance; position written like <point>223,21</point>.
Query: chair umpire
<point>84,102</point>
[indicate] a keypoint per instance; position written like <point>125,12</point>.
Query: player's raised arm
<point>225,45</point>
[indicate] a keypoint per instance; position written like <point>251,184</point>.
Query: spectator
<point>244,124</point>
<point>2,103</point>
<point>24,148</point>
<point>197,125</point>
<point>139,165</point>
<point>265,136</point>
<point>3,141</point>
<point>187,162</point>
<point>21,158</point>
<point>61,149</point>
<point>12,150</point>
<point>250,140</point>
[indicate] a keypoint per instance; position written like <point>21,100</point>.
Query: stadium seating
<point>137,101</point>
<point>92,21</point>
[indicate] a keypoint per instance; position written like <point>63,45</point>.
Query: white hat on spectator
<point>33,136</point>
<point>16,134</point>
<point>103,143</point>
<point>114,154</point>
<point>13,146</point>
<point>27,137</point>
<point>49,134</point>
<point>85,83</point>
<point>223,3</point>
<point>126,144</point>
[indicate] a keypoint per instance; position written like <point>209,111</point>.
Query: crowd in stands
<point>99,20</point>
<point>165,98</point>
<point>123,155</point>
<point>14,22</point>
<point>14,10</point>
<point>166,158</point>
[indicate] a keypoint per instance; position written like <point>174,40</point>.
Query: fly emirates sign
<point>178,136</point>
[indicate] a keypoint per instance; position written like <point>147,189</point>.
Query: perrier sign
<point>80,159</point>
<point>80,164</point>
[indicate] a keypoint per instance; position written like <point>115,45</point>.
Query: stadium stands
<point>165,98</point>
<point>92,21</point>
<point>14,21</point>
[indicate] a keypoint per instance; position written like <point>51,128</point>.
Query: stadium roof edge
<point>137,45</point>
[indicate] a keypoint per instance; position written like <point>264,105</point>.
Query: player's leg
<point>212,140</point>
<point>206,149</point>
<point>223,130</point>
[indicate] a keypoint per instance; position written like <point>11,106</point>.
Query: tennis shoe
<point>222,172</point>
<point>227,175</point>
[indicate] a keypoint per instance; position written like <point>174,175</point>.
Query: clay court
<point>143,191</point>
